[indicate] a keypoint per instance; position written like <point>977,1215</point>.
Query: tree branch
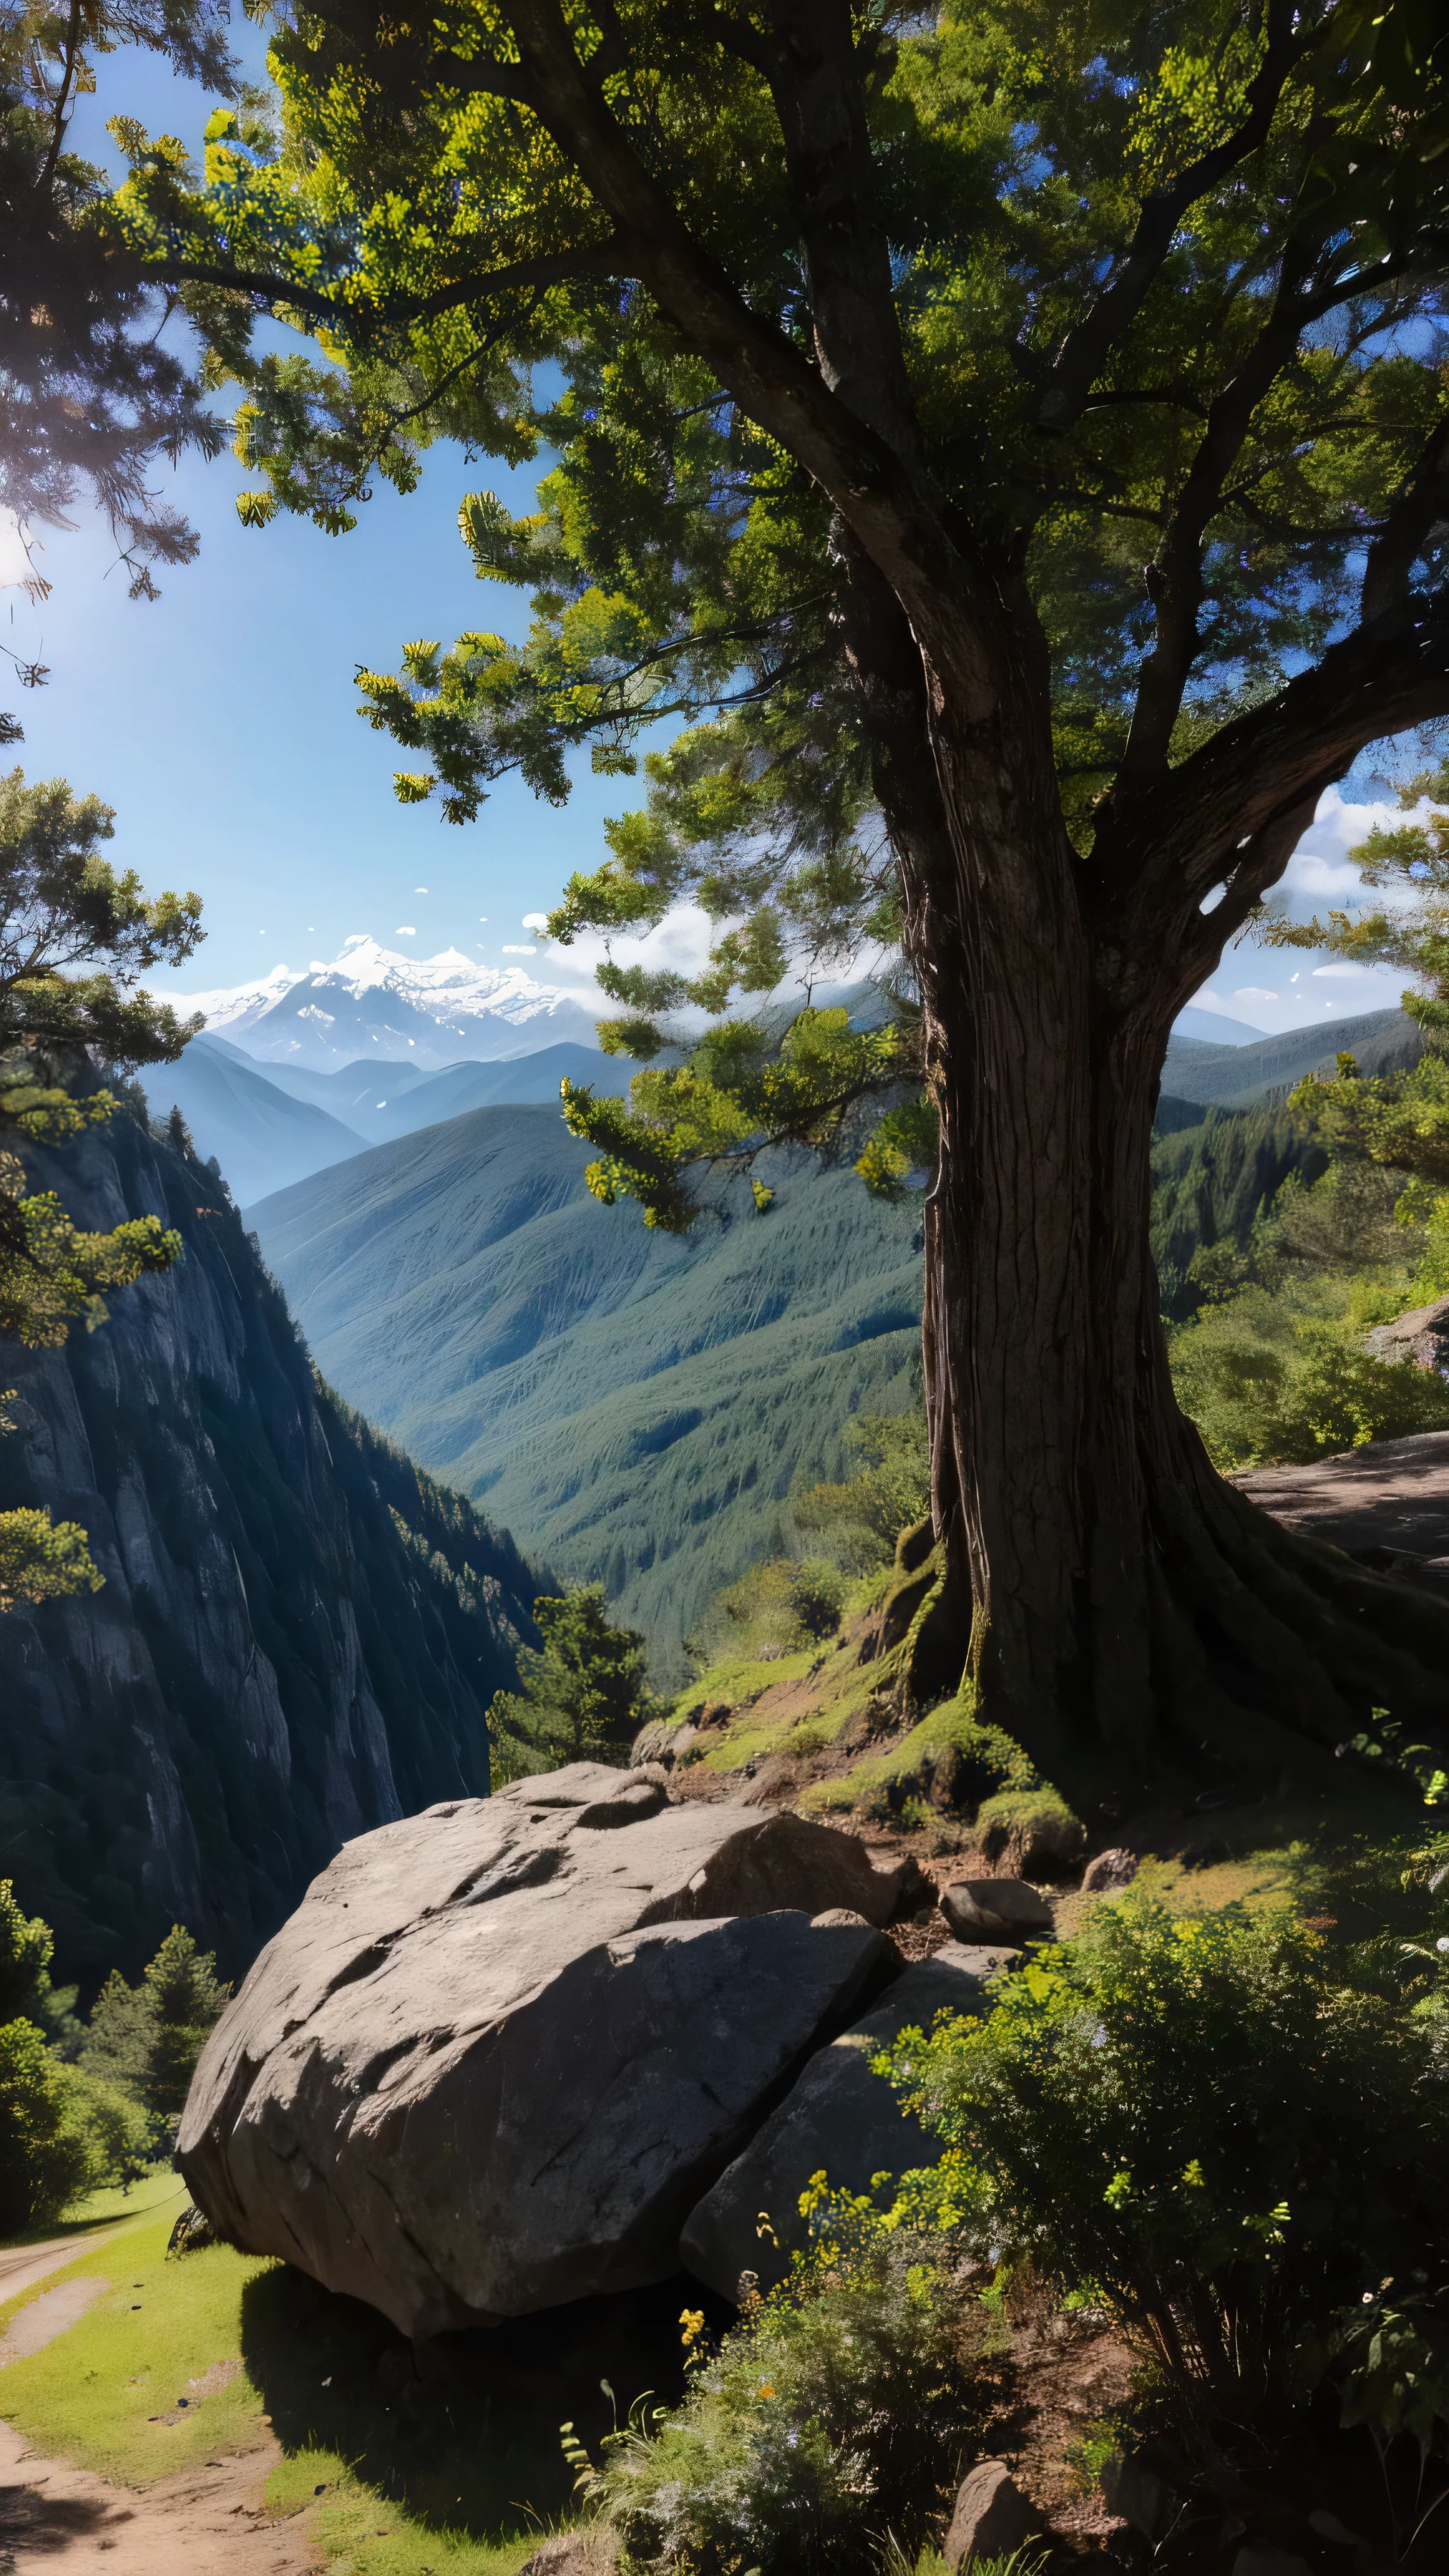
<point>1174,577</point>
<point>1422,500</point>
<point>1260,779</point>
<point>596,259</point>
<point>1081,355</point>
<point>894,511</point>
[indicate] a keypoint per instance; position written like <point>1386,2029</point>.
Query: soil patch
<point>208,2521</point>
<point>48,2316</point>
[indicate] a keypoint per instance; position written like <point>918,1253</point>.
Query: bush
<point>60,2133</point>
<point>1199,2124</point>
<point>771,1610</point>
<point>834,2416</point>
<point>1265,1381</point>
<point>861,1520</point>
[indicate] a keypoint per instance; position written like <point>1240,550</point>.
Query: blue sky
<point>220,721</point>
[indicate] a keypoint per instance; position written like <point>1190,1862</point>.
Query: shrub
<point>1265,1382</point>
<point>771,1610</point>
<point>61,2134</point>
<point>1201,2125</point>
<point>833,2416</point>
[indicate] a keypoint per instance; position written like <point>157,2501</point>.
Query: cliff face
<point>298,1634</point>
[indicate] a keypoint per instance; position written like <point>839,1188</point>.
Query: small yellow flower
<point>767,2388</point>
<point>692,2320</point>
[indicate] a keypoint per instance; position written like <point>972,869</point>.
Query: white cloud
<point>406,930</point>
<point>535,921</point>
<point>482,916</point>
<point>1253,993</point>
<point>420,889</point>
<point>509,950</point>
<point>353,938</point>
<point>1339,969</point>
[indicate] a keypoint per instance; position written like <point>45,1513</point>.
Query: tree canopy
<point>1009,443</point>
<point>63,908</point>
<point>1165,288</point>
<point>92,396</point>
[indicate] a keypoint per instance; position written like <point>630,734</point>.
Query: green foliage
<point>835,2413</point>
<point>63,908</point>
<point>1097,232</point>
<point>581,1697</point>
<point>775,1608</point>
<point>738,1093</point>
<point>144,2040</point>
<point>42,1560</point>
<point>1411,933</point>
<point>1200,2123</point>
<point>62,2132</point>
<point>26,1991</point>
<point>91,396</point>
<point>861,1519</point>
<point>1213,1187</point>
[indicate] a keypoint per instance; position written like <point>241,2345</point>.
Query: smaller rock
<point>994,1909</point>
<point>991,2517</point>
<point>836,1916</point>
<point>1257,2560</point>
<point>1110,1870</point>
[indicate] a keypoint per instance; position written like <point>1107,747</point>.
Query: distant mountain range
<point>436,1009</point>
<point>636,1407</point>
<point>645,1400</point>
<point>1254,1076</point>
<point>268,1129</point>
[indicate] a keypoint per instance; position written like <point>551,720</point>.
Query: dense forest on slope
<point>640,1404</point>
<point>298,1633</point>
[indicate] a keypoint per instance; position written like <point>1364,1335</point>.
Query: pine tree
<point>1011,442</point>
<point>146,2039</point>
<point>582,1697</point>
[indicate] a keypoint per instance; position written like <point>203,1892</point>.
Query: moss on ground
<point>982,1760</point>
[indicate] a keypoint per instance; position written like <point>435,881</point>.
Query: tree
<point>91,394</point>
<point>61,2133</point>
<point>145,2040</point>
<point>62,906</point>
<point>581,1697</point>
<point>880,353</point>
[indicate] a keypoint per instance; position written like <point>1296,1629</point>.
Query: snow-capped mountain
<point>432,1011</point>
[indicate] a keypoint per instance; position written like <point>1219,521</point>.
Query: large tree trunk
<point>1104,1591</point>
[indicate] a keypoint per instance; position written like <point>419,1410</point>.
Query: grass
<point>447,2464</point>
<point>156,2188</point>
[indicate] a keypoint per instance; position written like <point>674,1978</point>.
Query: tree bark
<point>1103,1591</point>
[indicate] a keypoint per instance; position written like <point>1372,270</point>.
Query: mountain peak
<point>370,999</point>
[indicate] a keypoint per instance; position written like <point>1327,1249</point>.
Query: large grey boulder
<point>502,2047</point>
<point>839,2119</point>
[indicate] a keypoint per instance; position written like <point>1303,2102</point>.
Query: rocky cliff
<point>298,1633</point>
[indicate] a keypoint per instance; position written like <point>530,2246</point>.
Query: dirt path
<point>207,2521</point>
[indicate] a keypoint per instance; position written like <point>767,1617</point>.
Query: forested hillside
<point>297,1635</point>
<point>638,1404</point>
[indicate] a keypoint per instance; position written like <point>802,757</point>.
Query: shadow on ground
<point>463,2430</point>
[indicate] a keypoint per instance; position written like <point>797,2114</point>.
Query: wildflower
<point>692,2320</point>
